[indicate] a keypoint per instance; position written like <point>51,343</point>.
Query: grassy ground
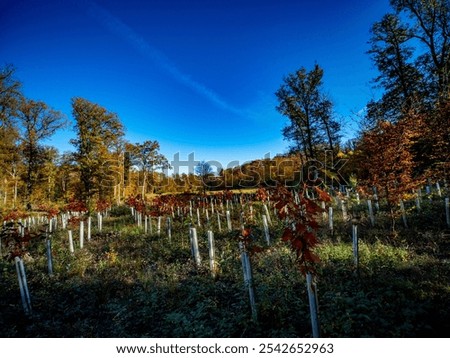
<point>125,283</point>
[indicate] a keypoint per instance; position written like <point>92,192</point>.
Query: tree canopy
<point>99,132</point>
<point>302,99</point>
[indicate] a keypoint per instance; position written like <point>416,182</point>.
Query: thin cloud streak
<point>119,28</point>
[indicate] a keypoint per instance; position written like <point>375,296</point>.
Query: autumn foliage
<point>387,159</point>
<point>300,218</point>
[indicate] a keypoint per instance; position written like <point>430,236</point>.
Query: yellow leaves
<point>111,256</point>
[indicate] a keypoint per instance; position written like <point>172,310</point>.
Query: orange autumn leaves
<point>388,160</point>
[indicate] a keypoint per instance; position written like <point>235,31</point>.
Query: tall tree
<point>399,76</point>
<point>411,49</point>
<point>302,100</point>
<point>429,23</point>
<point>146,157</point>
<point>10,98</point>
<point>98,132</point>
<point>38,122</point>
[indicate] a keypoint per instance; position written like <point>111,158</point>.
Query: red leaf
<point>287,235</point>
<point>300,228</point>
<point>323,196</point>
<point>310,257</point>
<point>297,245</point>
<point>310,238</point>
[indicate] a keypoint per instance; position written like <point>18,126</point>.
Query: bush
<point>119,210</point>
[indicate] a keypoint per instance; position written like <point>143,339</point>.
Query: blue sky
<point>197,76</point>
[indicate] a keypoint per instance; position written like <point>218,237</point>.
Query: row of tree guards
<point>202,215</point>
<point>244,254</point>
<point>51,224</point>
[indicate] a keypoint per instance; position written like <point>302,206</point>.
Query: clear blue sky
<point>197,76</point>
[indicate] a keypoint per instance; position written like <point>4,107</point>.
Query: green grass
<point>125,283</point>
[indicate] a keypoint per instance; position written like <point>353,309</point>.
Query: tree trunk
<point>144,184</point>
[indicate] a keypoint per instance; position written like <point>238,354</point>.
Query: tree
<point>204,171</point>
<point>98,132</point>
<point>147,159</point>
<point>434,156</point>
<point>399,76</point>
<point>10,98</point>
<point>67,178</point>
<point>386,159</point>
<point>10,161</point>
<point>302,100</point>
<point>38,123</point>
<point>429,23</point>
<point>411,49</point>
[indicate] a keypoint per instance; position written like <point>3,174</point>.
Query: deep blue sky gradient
<point>198,76</point>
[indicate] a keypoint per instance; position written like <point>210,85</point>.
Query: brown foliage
<point>387,159</point>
